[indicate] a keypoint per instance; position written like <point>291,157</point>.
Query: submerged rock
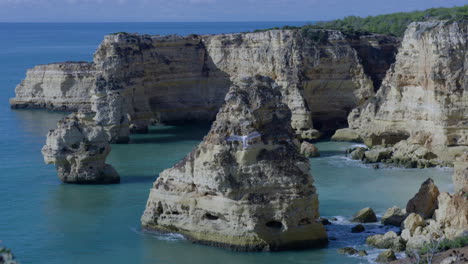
<point>424,202</point>
<point>365,215</point>
<point>393,216</point>
<point>259,197</point>
<point>309,150</point>
<point>78,147</point>
<point>348,251</point>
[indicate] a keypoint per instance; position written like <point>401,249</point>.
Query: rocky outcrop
<point>253,196</point>
<point>365,215</point>
<point>78,147</point>
<point>424,202</point>
<point>6,257</point>
<point>460,177</point>
<point>57,86</point>
<point>388,240</point>
<point>309,150</point>
<point>393,216</point>
<point>423,96</point>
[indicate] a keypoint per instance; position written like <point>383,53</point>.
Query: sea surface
<point>45,221</point>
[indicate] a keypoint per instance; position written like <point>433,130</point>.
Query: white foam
<point>171,237</point>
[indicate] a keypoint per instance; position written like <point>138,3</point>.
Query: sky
<point>204,10</point>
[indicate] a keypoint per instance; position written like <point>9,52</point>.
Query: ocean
<point>45,221</point>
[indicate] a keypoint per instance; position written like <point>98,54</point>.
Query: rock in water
<point>386,256</point>
<point>256,198</point>
<point>389,240</point>
<point>365,215</point>
<point>348,251</point>
<point>309,150</point>
<point>424,202</point>
<point>358,229</point>
<point>393,216</point>
<point>78,147</point>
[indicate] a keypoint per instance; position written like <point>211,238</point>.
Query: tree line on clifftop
<point>391,24</point>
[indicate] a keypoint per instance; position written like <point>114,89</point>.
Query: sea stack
<point>250,197</point>
<point>78,147</point>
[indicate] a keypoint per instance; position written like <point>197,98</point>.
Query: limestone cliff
<point>423,97</point>
<point>258,196</point>
<point>78,147</point>
<point>56,86</point>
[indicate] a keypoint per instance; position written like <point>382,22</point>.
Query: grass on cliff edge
<point>392,24</point>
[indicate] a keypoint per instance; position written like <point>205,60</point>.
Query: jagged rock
<point>56,86</point>
<point>430,72</point>
<point>346,134</point>
<point>452,214</point>
<point>389,240</point>
<point>393,216</point>
<point>309,150</point>
<point>78,147</point>
<point>256,198</point>
<point>6,257</point>
<point>365,215</point>
<point>358,229</point>
<point>412,222</point>
<point>377,155</point>
<point>424,202</point>
<point>386,256</point>
<point>460,177</point>
<point>358,153</point>
<point>348,251</point>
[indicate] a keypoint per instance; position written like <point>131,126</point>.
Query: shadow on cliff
<point>171,134</point>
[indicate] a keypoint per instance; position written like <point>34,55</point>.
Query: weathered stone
<point>423,95</point>
<point>358,153</point>
<point>309,150</point>
<point>56,86</point>
<point>365,215</point>
<point>424,202</point>
<point>256,198</point>
<point>78,147</point>
<point>324,221</point>
<point>389,240</point>
<point>460,177</point>
<point>386,256</point>
<point>377,154</point>
<point>452,214</point>
<point>412,222</point>
<point>346,134</point>
<point>362,253</point>
<point>348,251</point>
<point>358,229</point>
<point>393,216</point>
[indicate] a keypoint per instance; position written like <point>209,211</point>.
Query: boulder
<point>324,221</point>
<point>377,154</point>
<point>358,153</point>
<point>365,215</point>
<point>411,223</point>
<point>346,134</point>
<point>348,251</point>
<point>362,253</point>
<point>393,216</point>
<point>389,240</point>
<point>309,150</point>
<point>452,213</point>
<point>386,256</point>
<point>78,147</point>
<point>358,229</point>
<point>424,202</point>
<point>255,196</point>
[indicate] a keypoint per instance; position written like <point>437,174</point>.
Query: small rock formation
<point>424,202</point>
<point>346,134</point>
<point>78,147</point>
<point>324,221</point>
<point>365,215</point>
<point>348,251</point>
<point>460,177</point>
<point>362,253</point>
<point>389,240</point>
<point>358,229</point>
<point>393,216</point>
<point>256,198</point>
<point>6,257</point>
<point>56,86</point>
<point>452,214</point>
<point>309,150</point>
<point>423,95</point>
<point>386,256</point>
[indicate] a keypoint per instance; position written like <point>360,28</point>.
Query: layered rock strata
<point>423,97</point>
<point>57,86</point>
<point>140,79</point>
<point>78,147</point>
<point>255,196</point>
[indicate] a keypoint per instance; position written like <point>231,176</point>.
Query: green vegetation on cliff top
<point>392,24</point>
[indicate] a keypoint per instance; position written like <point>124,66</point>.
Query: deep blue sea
<point>45,221</point>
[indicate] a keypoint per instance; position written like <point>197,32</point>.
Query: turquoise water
<point>45,221</point>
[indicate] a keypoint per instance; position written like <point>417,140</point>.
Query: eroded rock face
<point>78,147</point>
<point>393,216</point>
<point>424,202</point>
<point>424,93</point>
<point>460,177</point>
<point>256,198</point>
<point>56,86</point>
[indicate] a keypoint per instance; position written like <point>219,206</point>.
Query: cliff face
<point>258,196</point>
<point>56,86</point>
<point>139,79</point>
<point>423,98</point>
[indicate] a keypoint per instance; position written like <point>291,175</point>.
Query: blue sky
<point>203,10</point>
